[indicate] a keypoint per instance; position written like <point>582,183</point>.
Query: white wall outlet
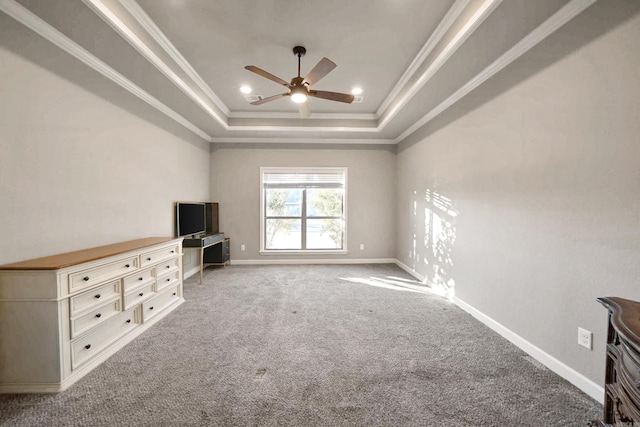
<point>362,246</point>
<point>242,248</point>
<point>584,338</point>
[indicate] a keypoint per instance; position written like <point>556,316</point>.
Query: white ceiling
<point>186,58</point>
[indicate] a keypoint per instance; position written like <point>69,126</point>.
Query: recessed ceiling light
<point>356,91</point>
<point>245,89</point>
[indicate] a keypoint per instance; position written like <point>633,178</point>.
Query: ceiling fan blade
<point>269,99</point>
<point>322,68</point>
<point>332,96</point>
<point>263,73</point>
<point>304,110</point>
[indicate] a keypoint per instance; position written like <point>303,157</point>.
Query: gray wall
<point>537,189</point>
<point>544,183</point>
<point>77,171</point>
<point>235,184</point>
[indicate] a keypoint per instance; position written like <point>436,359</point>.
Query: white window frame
<point>265,170</point>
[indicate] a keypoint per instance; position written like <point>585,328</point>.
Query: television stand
<point>203,243</point>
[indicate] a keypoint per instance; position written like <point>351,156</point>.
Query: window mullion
<point>264,219</point>
<point>303,221</point>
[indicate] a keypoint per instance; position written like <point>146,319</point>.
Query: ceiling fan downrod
<point>299,51</point>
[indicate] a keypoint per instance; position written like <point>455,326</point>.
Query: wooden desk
<point>203,243</point>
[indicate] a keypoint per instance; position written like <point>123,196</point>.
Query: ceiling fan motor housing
<point>298,81</point>
<point>299,51</point>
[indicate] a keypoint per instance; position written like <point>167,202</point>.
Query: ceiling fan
<point>299,87</point>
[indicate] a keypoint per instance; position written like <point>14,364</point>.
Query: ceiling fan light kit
<point>299,87</point>
<point>298,94</point>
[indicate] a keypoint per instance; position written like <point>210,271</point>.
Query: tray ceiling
<point>412,58</point>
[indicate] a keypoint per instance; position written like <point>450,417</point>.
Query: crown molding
<point>553,23</point>
<point>557,20</point>
<point>36,24</point>
<point>340,141</point>
<point>483,12</point>
<point>445,25</point>
<point>103,11</point>
<point>295,128</point>
<point>147,23</point>
<point>281,115</point>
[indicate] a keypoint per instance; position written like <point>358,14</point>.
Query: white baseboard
<point>196,270</point>
<point>411,271</point>
<point>189,273</point>
<point>274,261</point>
<point>591,388</point>
<point>574,377</point>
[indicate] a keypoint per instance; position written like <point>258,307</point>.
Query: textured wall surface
<point>527,205</point>
<point>77,171</point>
<point>235,184</point>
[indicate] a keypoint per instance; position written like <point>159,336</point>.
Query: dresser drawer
<point>93,276</point>
<point>137,280</point>
<point>154,257</point>
<point>95,317</point>
<point>89,345</point>
<point>156,304</point>
<point>166,281</point>
<point>143,293</point>
<point>167,267</point>
<point>94,297</point>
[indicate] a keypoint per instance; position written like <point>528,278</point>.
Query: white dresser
<point>63,315</point>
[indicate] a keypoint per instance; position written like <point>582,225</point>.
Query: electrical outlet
<point>362,246</point>
<point>242,248</point>
<point>584,338</point>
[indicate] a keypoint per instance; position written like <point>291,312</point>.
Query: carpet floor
<point>320,345</point>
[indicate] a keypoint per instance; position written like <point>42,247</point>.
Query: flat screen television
<point>190,219</point>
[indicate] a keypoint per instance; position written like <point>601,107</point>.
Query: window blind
<point>302,179</point>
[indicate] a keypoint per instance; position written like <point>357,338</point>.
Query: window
<point>303,210</point>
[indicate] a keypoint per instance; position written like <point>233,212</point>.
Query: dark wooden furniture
<point>218,254</point>
<point>212,218</point>
<point>622,376</point>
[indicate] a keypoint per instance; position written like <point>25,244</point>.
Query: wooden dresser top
<point>56,262</point>
<point>625,318</point>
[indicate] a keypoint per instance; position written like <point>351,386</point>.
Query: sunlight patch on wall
<point>439,240</point>
<point>413,255</point>
<point>433,232</point>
